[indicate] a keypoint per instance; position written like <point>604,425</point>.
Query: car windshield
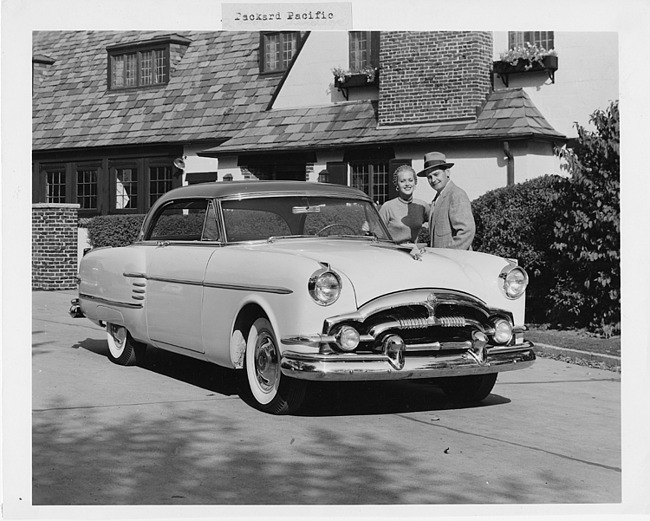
<point>262,218</point>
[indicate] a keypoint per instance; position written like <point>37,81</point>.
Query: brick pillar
<point>54,246</point>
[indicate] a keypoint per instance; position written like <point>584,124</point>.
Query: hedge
<point>518,222</point>
<point>114,230</point>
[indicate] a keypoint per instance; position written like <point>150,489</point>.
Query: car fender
<point>111,288</point>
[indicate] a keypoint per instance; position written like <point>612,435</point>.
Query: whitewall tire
<point>122,349</point>
<point>269,390</point>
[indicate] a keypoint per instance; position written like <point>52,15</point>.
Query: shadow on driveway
<point>323,398</point>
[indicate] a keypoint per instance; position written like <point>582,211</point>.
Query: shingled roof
<point>507,114</point>
<point>214,89</point>
<point>216,93</point>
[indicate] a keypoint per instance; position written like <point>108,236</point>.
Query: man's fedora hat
<point>434,161</point>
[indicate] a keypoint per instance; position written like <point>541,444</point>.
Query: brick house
<point>121,117</point>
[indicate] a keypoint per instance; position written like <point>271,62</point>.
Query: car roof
<point>254,188</point>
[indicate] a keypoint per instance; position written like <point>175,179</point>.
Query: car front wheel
<point>270,390</point>
<point>122,349</point>
<point>468,389</point>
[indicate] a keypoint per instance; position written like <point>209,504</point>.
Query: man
<point>451,224</point>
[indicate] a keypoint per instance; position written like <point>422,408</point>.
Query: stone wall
<point>433,76</point>
<point>54,246</point>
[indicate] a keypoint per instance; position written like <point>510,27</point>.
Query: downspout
<point>511,164</point>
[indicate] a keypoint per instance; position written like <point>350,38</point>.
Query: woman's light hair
<point>404,168</point>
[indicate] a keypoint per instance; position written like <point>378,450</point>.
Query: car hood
<point>376,269</point>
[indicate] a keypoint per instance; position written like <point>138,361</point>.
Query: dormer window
<point>364,50</point>
<point>543,39</point>
<point>277,49</point>
<point>141,64</point>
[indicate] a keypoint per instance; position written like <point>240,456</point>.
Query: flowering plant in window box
<point>346,78</point>
<point>526,58</point>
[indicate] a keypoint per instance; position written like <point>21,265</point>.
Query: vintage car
<point>290,281</point>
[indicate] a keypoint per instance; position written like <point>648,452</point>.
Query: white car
<point>288,282</point>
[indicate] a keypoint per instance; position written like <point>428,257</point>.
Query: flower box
<point>356,80</point>
<point>548,63</point>
<point>503,68</point>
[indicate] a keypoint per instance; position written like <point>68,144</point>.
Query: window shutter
<point>374,48</point>
<point>392,166</point>
<point>338,173</point>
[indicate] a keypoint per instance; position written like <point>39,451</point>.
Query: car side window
<point>180,221</point>
<point>210,226</point>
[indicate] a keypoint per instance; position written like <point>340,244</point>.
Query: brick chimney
<point>433,76</point>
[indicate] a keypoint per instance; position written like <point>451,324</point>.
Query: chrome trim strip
<point>294,194</point>
<point>110,302</point>
<point>219,285</point>
<point>244,287</point>
<point>317,339</point>
<point>415,297</point>
<point>437,346</point>
<point>134,275</point>
<point>177,281</point>
<point>355,367</point>
<point>379,329</point>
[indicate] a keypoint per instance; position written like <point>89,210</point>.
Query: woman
<point>405,214</point>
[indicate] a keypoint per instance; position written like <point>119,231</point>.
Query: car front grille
<point>431,320</point>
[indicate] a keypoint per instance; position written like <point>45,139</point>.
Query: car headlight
<point>324,287</point>
<point>514,280</point>
<point>502,331</point>
<point>347,338</point>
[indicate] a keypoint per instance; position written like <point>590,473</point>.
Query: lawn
<point>574,339</point>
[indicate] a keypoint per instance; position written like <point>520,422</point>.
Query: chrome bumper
<point>75,309</point>
<point>356,367</point>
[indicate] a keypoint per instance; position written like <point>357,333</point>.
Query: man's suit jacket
<point>452,224</point>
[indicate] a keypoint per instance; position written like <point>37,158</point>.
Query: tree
<point>587,233</point>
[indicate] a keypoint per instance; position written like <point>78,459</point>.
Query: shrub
<point>587,234</point>
<point>517,222</point>
<point>114,230</point>
<point>83,222</point>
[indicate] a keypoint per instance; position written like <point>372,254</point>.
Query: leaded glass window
<point>371,178</point>
<point>126,188</point>
<point>139,69</point>
<point>160,182</point>
<point>55,185</point>
<point>87,188</point>
<point>544,39</point>
<point>278,49</point>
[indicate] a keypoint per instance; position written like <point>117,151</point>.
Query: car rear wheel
<point>270,390</point>
<point>122,349</point>
<point>468,389</point>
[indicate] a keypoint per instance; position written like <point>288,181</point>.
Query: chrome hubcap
<point>266,362</point>
<point>119,335</point>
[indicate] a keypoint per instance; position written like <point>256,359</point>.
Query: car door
<point>182,241</point>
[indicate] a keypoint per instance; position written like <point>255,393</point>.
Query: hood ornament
<point>431,303</point>
<point>417,252</point>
